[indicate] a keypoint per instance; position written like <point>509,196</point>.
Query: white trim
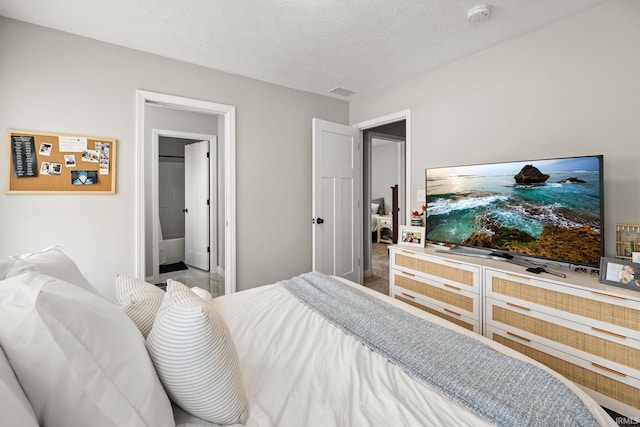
<point>392,118</point>
<point>228,111</point>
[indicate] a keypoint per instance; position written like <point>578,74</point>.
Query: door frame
<point>180,103</point>
<point>373,123</point>
<point>392,118</point>
<point>155,170</point>
<point>367,180</point>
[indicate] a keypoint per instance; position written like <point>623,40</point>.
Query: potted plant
<point>417,217</point>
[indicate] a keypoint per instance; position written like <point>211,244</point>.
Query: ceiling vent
<point>479,13</point>
<point>342,91</point>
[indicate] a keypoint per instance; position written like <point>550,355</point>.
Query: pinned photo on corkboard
<point>84,177</point>
<point>54,163</point>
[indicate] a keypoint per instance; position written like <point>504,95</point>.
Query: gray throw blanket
<point>503,390</point>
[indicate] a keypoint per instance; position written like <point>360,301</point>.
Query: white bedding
<point>299,370</point>
<point>374,222</point>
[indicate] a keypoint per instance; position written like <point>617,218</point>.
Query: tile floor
<point>213,282</point>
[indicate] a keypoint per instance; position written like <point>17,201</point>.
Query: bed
<point>377,211</point>
<point>312,350</point>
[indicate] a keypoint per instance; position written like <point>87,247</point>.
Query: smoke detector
<point>479,13</point>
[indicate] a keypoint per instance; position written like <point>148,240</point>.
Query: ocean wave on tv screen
<point>454,215</point>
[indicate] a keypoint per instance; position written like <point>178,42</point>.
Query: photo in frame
<point>411,236</point>
<point>620,273</point>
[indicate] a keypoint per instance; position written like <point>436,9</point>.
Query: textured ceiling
<point>312,45</point>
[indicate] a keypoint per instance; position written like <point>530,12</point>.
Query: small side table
<point>385,229</point>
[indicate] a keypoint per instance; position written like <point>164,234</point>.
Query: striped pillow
<point>196,360</point>
<point>139,300</point>
<point>202,293</point>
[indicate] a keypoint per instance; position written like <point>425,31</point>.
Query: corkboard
<point>52,163</point>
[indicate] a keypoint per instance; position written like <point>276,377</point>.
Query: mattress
<point>300,370</point>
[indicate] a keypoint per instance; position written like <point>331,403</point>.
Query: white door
<point>196,202</point>
<point>337,217</point>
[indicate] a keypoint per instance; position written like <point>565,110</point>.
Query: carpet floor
<point>379,278</point>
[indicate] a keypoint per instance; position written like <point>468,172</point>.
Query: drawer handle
<point>452,287</point>
<point>518,336</point>
<point>608,333</point>
<point>604,368</point>
<point>452,312</point>
<point>608,296</point>
<point>518,276</point>
<point>518,306</point>
<point>409,274</point>
<point>407,295</point>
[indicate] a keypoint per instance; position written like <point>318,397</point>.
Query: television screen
<point>551,208</point>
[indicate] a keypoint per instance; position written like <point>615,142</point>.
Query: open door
<point>336,200</point>
<point>196,212</point>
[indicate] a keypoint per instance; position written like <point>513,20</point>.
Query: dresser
<point>587,331</point>
<point>448,288</point>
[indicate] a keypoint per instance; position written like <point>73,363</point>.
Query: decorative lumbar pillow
<point>14,406</point>
<point>53,262</point>
<point>79,359</point>
<point>202,293</point>
<point>139,300</point>
<point>195,358</point>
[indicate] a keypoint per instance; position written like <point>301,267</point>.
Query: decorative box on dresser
<point>448,288</point>
<point>587,331</point>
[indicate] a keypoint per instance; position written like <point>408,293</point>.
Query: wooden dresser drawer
<point>455,298</point>
<point>593,376</point>
<point>451,316</point>
<point>446,288</point>
<point>612,313</point>
<point>603,347</point>
<point>454,272</point>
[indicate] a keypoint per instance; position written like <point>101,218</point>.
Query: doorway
<point>385,164</point>
<point>187,245</point>
<point>147,225</point>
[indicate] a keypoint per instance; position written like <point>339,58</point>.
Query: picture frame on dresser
<point>411,236</point>
<point>620,273</point>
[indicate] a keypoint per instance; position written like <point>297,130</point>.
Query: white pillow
<point>54,262</point>
<point>14,406</point>
<point>5,266</point>
<point>79,359</point>
<point>202,293</point>
<point>374,208</point>
<point>139,300</point>
<point>195,358</point>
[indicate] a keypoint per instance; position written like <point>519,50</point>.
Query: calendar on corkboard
<point>52,163</point>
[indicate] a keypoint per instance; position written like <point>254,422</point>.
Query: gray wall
<point>384,170</point>
<point>56,82</point>
<point>569,89</point>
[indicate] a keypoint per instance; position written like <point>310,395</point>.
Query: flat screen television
<point>550,209</point>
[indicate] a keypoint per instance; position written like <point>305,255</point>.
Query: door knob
<point>185,210</point>
<point>319,221</point>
